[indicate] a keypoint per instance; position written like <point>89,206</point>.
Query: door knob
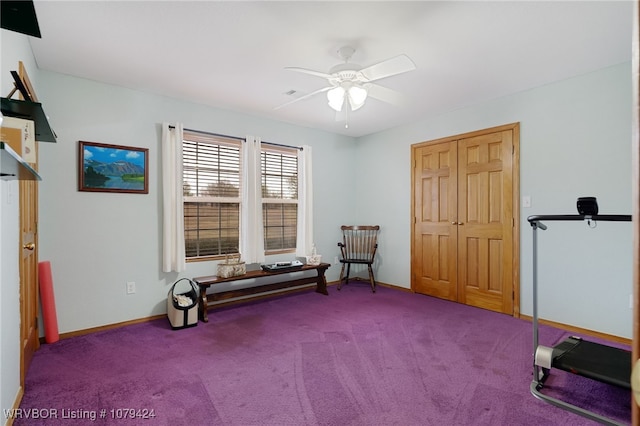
<point>29,246</point>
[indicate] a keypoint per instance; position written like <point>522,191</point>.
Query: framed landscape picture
<point>112,168</point>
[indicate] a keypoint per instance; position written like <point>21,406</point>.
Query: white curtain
<point>173,252</point>
<point>305,203</point>
<point>252,233</point>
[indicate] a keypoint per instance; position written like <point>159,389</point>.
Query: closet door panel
<point>435,239</point>
<point>485,221</point>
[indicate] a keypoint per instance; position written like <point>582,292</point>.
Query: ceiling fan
<point>351,84</point>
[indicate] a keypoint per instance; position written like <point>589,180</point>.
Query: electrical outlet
<point>335,260</point>
<point>131,287</point>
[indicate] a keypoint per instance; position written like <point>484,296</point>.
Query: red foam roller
<point>48,301</point>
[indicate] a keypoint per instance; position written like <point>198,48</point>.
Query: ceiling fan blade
<point>310,72</point>
<point>385,94</point>
<point>324,89</point>
<point>393,66</point>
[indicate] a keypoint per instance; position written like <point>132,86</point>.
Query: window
<point>211,188</point>
<point>279,171</point>
<point>213,191</point>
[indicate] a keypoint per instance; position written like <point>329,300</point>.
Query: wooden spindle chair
<point>358,246</point>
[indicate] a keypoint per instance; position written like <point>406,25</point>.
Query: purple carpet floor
<point>351,358</point>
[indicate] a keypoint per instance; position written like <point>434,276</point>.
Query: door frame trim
<point>515,127</point>
<point>31,188</point>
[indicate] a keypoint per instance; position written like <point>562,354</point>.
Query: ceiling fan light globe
<point>335,97</point>
<point>357,97</point>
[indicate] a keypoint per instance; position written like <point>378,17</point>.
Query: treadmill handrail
<point>577,217</point>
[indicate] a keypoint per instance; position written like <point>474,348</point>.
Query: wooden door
<point>464,245</point>
<point>28,260</point>
<point>485,221</point>
<point>28,274</point>
<point>435,232</point>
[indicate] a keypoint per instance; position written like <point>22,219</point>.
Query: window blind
<point>211,185</point>
<point>279,198</point>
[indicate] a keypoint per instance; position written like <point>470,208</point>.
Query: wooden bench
<point>205,282</point>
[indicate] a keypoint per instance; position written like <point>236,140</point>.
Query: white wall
<point>9,295</point>
<point>575,141</point>
<point>96,242</point>
<point>15,47</point>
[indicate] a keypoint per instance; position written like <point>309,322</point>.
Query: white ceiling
<point>232,54</point>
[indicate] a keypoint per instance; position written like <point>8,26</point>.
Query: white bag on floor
<point>182,305</point>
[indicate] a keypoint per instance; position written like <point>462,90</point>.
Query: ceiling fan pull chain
<point>346,116</point>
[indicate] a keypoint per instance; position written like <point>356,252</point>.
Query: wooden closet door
<point>465,232</point>
<point>435,233</point>
<point>485,221</point>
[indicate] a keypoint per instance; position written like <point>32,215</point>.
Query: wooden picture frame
<point>112,168</point>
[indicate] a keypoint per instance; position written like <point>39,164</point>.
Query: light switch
<point>526,201</point>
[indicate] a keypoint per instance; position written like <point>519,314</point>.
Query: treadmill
<point>576,355</point>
